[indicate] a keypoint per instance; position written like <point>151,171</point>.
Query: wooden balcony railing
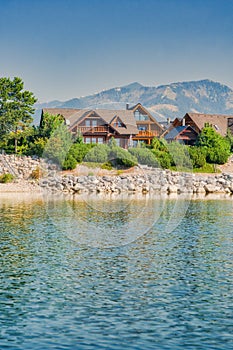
<point>93,129</point>
<point>147,133</point>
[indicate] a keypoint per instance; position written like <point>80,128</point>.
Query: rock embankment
<point>21,167</point>
<point>142,180</point>
<point>148,181</point>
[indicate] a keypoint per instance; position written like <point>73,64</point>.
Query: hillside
<point>172,100</point>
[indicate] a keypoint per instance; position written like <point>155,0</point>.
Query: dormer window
<point>118,124</point>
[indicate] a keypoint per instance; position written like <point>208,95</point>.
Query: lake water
<point>127,273</point>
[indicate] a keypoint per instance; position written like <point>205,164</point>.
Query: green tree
<point>49,124</point>
<point>217,147</point>
<point>229,139</point>
<point>16,109</point>
<point>58,145</point>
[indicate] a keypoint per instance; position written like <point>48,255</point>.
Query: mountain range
<point>173,100</point>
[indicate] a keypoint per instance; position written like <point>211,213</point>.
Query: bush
<point>198,156</point>
<point>218,155</point>
<point>79,151</point>
<point>98,154</point>
<point>37,147</point>
<point>179,155</point>
<point>5,178</point>
<point>144,156</point>
<point>119,156</point>
<point>106,166</point>
<point>69,163</point>
<point>163,158</point>
<point>159,144</point>
<point>35,174</point>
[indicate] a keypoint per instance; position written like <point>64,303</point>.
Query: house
<point>127,126</point>
<point>197,121</point>
<point>184,134</point>
<point>147,126</point>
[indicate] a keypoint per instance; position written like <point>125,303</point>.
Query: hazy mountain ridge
<point>164,101</point>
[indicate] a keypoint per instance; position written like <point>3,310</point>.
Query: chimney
<point>168,121</point>
<point>183,122</point>
<point>127,106</point>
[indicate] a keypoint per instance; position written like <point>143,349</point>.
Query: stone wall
<point>149,181</point>
<point>19,166</point>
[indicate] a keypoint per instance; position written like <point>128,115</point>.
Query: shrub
<point>163,158</point>
<point>69,163</point>
<point>144,156</point>
<point>37,147</point>
<point>159,144</point>
<point>198,156</point>
<point>179,155</point>
<point>5,178</point>
<point>98,154</point>
<point>218,155</point>
<point>79,151</point>
<point>35,174</point>
<point>119,156</point>
<point>107,166</point>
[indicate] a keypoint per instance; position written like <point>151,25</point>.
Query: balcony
<point>146,133</point>
<point>93,129</point>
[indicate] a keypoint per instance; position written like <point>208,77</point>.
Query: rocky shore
<point>141,179</point>
<point>149,180</point>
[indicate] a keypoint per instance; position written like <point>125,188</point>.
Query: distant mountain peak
<point>171,100</point>
<point>134,85</point>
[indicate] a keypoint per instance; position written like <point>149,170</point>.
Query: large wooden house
<point>147,126</point>
<point>97,126</point>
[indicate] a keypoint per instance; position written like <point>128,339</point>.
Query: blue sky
<point>70,48</point>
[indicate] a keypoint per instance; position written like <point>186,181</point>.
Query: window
<point>93,140</point>
<point>118,142</point>
<point>94,122</point>
<point>87,122</point>
<point>138,116</point>
<point>142,127</point>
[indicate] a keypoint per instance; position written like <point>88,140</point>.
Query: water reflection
<point>162,291</point>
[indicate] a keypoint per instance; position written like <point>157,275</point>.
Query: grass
<point>6,178</point>
<point>208,168</point>
<point>92,165</point>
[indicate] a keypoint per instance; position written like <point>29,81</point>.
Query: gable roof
<point>65,112</point>
<point>176,131</point>
<point>75,116</point>
<point>139,105</point>
<point>217,121</point>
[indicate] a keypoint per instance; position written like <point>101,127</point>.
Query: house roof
<point>126,116</point>
<point>218,121</point>
<point>140,106</point>
<point>176,131</point>
<point>76,115</point>
<point>65,112</point>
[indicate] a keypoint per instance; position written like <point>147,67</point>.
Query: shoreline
<point>155,182</point>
